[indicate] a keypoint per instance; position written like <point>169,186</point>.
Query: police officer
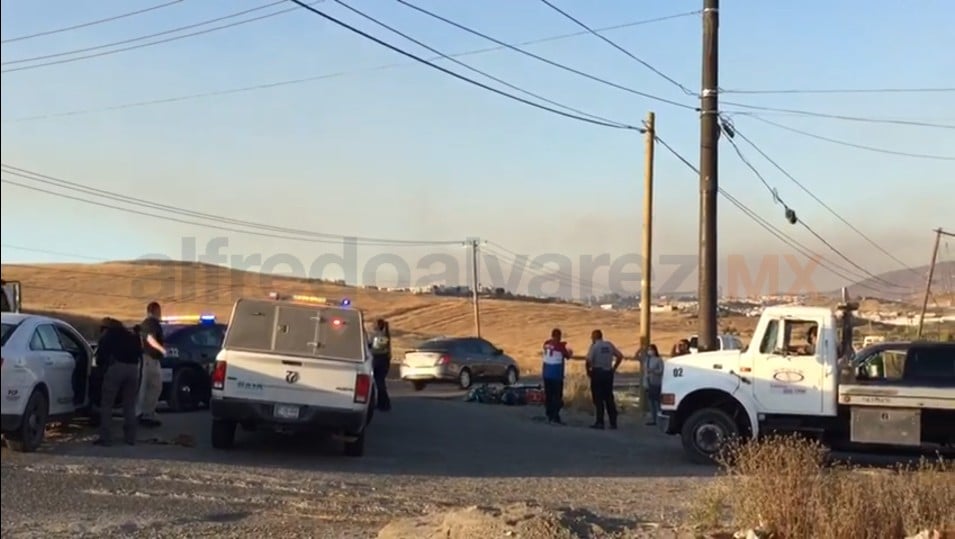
<point>380,344</point>
<point>118,352</point>
<point>603,359</point>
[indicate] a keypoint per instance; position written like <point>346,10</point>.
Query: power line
<point>792,217</point>
<point>769,227</point>
<point>151,43</point>
<point>274,231</point>
<point>514,259</point>
<point>543,59</point>
<point>92,23</point>
<point>602,120</point>
<point>613,44</point>
<point>458,75</point>
<point>842,91</point>
<point>851,144</point>
<point>815,197</point>
<point>303,80</point>
<point>838,116</point>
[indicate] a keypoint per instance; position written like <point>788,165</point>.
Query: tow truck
<point>820,388</point>
<point>10,301</point>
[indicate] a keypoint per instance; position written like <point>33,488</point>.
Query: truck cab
<point>796,375</point>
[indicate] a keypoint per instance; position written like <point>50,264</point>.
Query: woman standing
<point>654,381</point>
<point>380,344</point>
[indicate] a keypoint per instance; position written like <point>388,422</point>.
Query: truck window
<point>797,338</point>
<point>887,365</point>
<point>770,338</point>
<point>930,363</point>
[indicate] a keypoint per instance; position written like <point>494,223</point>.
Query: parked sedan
<point>460,360</point>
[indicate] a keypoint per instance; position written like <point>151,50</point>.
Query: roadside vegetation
<point>786,488</point>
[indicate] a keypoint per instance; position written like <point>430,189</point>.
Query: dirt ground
<point>435,466</point>
<point>84,293</point>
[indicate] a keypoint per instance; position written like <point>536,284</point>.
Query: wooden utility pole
<point>645,289</point>
<point>928,283</point>
<point>709,184</point>
<point>475,253</point>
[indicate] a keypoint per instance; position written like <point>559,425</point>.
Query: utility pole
<point>709,184</point>
<point>928,284</point>
<point>475,253</point>
<point>645,290</point>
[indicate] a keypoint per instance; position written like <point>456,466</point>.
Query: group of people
<point>602,361</point>
<point>122,354</point>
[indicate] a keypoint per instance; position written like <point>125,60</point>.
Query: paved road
<point>432,451</point>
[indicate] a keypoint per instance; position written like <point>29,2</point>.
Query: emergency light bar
<point>318,300</point>
<point>190,318</point>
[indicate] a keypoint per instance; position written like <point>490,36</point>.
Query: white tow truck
<point>818,387</point>
<point>294,364</point>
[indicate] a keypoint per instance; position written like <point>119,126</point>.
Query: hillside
<point>909,285</point>
<point>86,292</point>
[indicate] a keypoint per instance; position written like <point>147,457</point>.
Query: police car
<point>192,342</point>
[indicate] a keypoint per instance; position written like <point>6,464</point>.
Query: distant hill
<point>908,285</point>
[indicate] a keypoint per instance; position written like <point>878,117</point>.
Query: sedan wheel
<point>464,379</point>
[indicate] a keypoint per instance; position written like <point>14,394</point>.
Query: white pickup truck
<point>296,364</point>
<point>779,385</point>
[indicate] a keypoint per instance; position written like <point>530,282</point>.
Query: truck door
<point>788,369</point>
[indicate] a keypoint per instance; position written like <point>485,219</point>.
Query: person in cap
<point>118,353</point>
<point>603,360</point>
<point>556,354</point>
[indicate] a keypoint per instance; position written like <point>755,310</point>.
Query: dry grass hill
<point>83,293</point>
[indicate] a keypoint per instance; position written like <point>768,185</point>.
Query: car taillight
<point>218,375</point>
<point>443,360</point>
<point>362,388</point>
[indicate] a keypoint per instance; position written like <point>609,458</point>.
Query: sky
<point>410,153</point>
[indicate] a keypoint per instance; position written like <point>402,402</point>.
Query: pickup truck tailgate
<point>293,380</point>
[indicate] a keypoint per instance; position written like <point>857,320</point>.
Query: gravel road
<point>432,453</point>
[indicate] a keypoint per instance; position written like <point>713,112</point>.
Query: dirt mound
<point>522,521</point>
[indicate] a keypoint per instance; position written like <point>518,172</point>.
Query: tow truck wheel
<point>705,434</point>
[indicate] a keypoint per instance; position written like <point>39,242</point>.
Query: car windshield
<point>433,345</point>
<point>7,331</point>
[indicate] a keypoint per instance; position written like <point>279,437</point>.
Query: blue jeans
<point>653,398</point>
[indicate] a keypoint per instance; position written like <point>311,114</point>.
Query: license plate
<point>286,412</point>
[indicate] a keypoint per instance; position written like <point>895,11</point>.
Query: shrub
<point>784,487</point>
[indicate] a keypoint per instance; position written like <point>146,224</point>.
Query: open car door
<point>10,299</point>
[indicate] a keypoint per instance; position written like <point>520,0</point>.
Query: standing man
<point>118,353</point>
<point>603,360</point>
<point>552,371</point>
<point>153,352</point>
<point>380,344</point>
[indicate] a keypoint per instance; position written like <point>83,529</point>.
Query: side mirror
<point>498,352</point>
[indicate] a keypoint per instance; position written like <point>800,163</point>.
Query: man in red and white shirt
<point>552,371</point>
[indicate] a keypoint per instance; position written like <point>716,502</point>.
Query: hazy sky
<point>411,153</point>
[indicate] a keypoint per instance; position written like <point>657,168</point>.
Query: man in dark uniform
<point>603,360</point>
<point>118,353</point>
<point>380,344</point>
